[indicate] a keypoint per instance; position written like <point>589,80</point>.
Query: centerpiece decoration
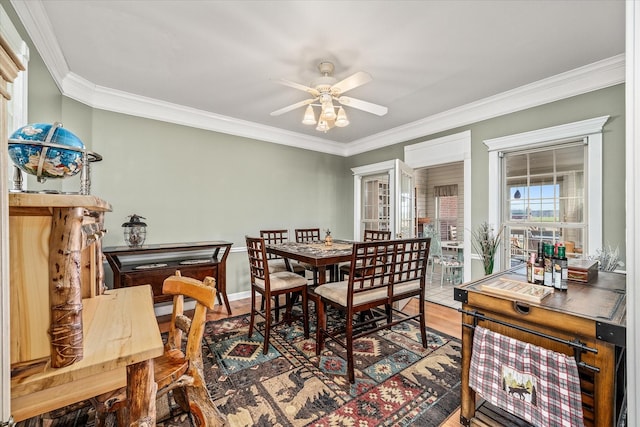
<point>328,239</point>
<point>485,242</point>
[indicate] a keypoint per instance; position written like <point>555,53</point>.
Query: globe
<point>46,150</point>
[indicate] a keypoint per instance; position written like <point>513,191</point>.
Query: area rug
<point>398,383</point>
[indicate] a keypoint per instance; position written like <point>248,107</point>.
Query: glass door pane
<point>405,227</point>
<point>375,203</point>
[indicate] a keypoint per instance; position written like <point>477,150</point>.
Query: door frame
<point>441,151</point>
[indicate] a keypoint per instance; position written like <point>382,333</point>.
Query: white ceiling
<point>435,64</point>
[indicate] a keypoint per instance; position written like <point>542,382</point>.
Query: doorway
<point>440,152</point>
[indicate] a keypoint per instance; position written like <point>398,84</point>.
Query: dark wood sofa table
<point>587,321</point>
<point>151,264</point>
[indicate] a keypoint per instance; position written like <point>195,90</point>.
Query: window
<point>539,191</point>
<point>545,199</point>
<point>446,203</point>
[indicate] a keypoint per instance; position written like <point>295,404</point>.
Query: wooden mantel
<point>45,200</point>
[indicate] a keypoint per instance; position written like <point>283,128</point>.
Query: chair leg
<point>113,401</point>
<point>321,324</point>
<point>201,406</point>
<point>203,409</point>
<point>349,339</point>
<point>267,325</point>
<point>253,311</point>
<point>423,321</point>
<point>305,314</point>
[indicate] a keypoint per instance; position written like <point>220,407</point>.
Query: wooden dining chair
<point>393,270</point>
<point>369,236</point>
<point>272,285</point>
<point>276,262</point>
<point>308,235</point>
<point>179,369</point>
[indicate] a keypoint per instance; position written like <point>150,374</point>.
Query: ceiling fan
<point>325,91</point>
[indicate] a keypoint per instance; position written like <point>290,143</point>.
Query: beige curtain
<point>445,190</point>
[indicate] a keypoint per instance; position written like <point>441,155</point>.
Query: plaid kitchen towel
<point>531,382</point>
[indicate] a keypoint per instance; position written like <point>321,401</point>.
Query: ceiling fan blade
<point>369,107</point>
<point>293,106</point>
<point>299,86</point>
<point>351,82</point>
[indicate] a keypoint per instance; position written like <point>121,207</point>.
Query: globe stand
<point>88,157</point>
<point>17,180</point>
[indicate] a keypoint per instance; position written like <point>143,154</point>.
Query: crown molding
<point>599,75</point>
<point>585,79</point>
<point>34,18</point>
<point>100,97</point>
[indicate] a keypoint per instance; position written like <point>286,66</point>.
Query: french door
<point>383,199</point>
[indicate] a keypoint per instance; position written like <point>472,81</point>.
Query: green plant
<point>485,242</point>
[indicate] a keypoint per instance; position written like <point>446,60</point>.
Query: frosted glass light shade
<point>309,116</point>
<point>341,119</point>
<point>328,111</point>
<point>322,125</point>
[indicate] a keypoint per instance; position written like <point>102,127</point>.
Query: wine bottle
<point>538,268</point>
<point>531,262</point>
<point>561,270</point>
<point>548,265</point>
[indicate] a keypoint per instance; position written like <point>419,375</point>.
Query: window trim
<point>590,130</point>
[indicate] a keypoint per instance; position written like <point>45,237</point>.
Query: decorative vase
<point>328,240</point>
<point>488,266</point>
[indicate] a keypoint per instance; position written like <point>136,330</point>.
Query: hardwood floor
<point>439,317</point>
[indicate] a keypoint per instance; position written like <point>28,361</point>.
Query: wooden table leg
<point>468,396</point>
<point>141,394</point>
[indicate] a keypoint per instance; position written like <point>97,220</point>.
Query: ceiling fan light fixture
<point>341,119</point>
<point>309,116</point>
<point>323,92</point>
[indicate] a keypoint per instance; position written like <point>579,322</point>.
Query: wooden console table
<point>151,264</point>
<point>593,314</point>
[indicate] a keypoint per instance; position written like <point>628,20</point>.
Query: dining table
<point>453,245</point>
<point>317,254</point>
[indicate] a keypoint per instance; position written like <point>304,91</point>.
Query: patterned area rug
<point>398,382</point>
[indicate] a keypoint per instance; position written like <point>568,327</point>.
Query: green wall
<point>193,184</point>
<point>609,101</point>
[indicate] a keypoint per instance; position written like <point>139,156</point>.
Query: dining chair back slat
<point>371,235</point>
<point>306,235</point>
<point>274,237</point>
